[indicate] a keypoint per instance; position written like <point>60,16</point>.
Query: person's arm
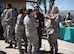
<point>10,15</point>
<point>19,19</point>
<point>40,18</point>
<point>6,16</point>
<point>35,23</point>
<point>59,19</point>
<point>42,22</point>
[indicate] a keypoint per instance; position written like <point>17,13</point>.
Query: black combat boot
<point>10,46</point>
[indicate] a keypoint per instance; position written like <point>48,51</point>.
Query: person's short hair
<point>9,5</point>
<point>36,6</point>
<point>21,10</point>
<point>55,8</point>
<point>68,12</point>
<point>24,8</point>
<point>29,11</point>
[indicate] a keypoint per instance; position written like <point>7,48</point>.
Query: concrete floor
<point>64,47</point>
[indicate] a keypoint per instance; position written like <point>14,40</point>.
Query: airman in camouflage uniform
<point>31,32</point>
<point>10,20</point>
<point>52,28</point>
<point>20,31</point>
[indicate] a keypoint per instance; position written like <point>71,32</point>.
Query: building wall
<point>16,4</point>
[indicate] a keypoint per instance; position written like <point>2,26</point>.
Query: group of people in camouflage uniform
<point>23,28</point>
<point>28,26</point>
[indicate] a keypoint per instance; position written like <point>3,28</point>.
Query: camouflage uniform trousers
<point>20,34</point>
<point>33,45</point>
<point>10,33</point>
<point>52,38</point>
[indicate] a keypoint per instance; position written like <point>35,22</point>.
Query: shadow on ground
<point>2,52</point>
<point>46,52</point>
<point>42,52</point>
